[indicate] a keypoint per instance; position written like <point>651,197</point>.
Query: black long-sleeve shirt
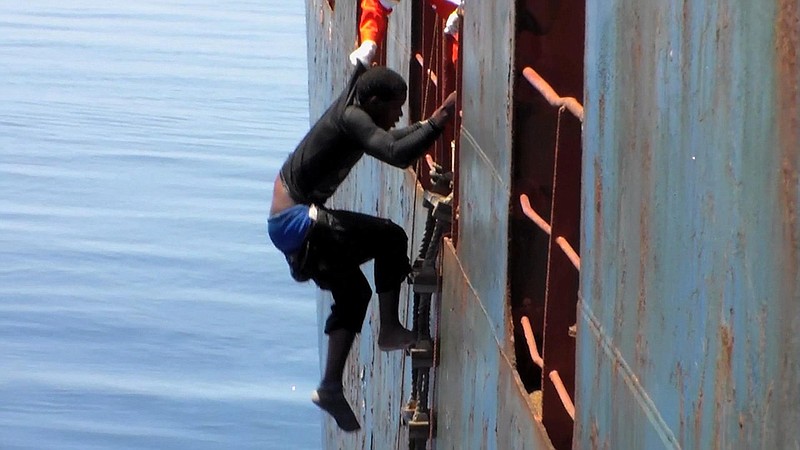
<point>343,134</point>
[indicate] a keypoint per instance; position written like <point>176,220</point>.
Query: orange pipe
<point>550,95</point>
<point>536,218</point>
<point>431,74</point>
<point>526,328</point>
<point>569,251</point>
<point>562,393</point>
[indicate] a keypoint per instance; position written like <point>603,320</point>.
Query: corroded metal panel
<point>398,40</point>
<point>467,389</point>
<point>483,224</point>
<point>485,164</point>
<point>331,36</point>
<point>690,279</point>
<point>480,402</point>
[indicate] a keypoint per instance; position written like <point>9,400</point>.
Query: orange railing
<point>573,106</point>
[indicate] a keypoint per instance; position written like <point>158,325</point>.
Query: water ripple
<point>141,305</point>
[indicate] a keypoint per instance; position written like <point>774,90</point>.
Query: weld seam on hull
<point>474,144</point>
<point>650,409</point>
<point>475,294</point>
<point>504,357</point>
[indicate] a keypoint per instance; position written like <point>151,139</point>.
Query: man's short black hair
<point>381,82</point>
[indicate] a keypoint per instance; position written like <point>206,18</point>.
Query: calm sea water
<point>141,304</point>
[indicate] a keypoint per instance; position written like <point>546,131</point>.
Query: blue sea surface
<point>141,303</point>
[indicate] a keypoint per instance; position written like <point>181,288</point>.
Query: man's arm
<point>372,23</point>
<point>399,133</point>
<point>376,142</point>
<point>399,148</point>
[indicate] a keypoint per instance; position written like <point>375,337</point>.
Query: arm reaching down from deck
<point>364,53</point>
<point>374,21</point>
<point>371,29</point>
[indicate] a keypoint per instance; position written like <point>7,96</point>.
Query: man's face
<point>386,113</point>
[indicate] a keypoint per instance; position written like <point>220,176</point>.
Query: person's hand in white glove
<point>451,26</point>
<point>364,53</point>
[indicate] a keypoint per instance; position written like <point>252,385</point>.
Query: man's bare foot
<point>396,338</point>
<point>333,402</point>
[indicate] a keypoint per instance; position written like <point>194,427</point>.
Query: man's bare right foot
<point>396,338</point>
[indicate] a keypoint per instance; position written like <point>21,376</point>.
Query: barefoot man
<point>327,245</point>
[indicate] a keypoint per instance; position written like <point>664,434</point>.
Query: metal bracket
<point>425,280</point>
<point>419,427</point>
<point>422,355</point>
<point>407,413</point>
<point>431,199</point>
<point>443,211</point>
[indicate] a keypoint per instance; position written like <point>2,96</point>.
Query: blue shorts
<point>289,228</point>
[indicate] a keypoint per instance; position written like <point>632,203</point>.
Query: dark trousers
<point>339,242</point>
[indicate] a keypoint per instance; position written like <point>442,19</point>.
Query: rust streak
<point>787,44</point>
<point>723,385</point>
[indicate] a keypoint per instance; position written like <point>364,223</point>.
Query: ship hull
<point>689,243</point>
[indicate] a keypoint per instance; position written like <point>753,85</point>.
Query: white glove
<point>364,53</point>
<point>389,4</point>
<point>451,26</point>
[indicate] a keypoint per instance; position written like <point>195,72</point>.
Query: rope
<point>425,75</point>
<point>558,125</point>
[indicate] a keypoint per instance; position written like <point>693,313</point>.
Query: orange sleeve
<point>372,25</point>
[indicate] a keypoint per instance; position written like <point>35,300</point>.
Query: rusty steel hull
<point>690,311</point>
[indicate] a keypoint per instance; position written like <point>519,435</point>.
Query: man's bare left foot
<point>333,402</point>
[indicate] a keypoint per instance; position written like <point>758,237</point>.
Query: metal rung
<point>562,393</point>
<point>443,211</point>
<point>550,95</point>
<point>573,256</point>
<point>573,330</point>
<point>422,355</point>
<point>431,74</point>
<point>531,340</point>
<point>407,413</point>
<point>426,288</point>
<point>431,199</point>
<point>533,215</point>
<point>425,280</point>
<point>419,427</point>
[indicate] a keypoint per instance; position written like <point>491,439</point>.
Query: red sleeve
<point>373,21</point>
